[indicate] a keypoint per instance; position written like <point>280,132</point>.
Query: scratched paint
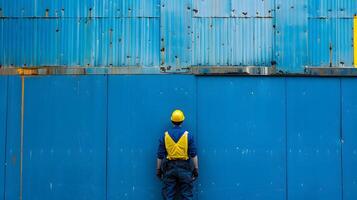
<point>164,35</point>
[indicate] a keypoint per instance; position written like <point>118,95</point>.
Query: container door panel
<point>64,147</point>
<point>349,128</point>
<point>313,130</point>
<point>241,138</point>
<point>13,129</point>
<point>139,112</point>
<point>3,105</point>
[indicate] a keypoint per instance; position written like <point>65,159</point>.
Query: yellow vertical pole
<point>355,41</point>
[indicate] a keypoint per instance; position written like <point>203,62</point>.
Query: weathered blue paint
<point>65,138</point>
<point>95,137</point>
<point>313,139</point>
<point>177,34</point>
<point>12,167</point>
<point>241,138</point>
<point>3,108</point>
<point>349,130</point>
<point>139,109</point>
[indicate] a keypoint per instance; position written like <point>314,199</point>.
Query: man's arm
<point>161,151</point>
<point>158,164</point>
<point>195,162</point>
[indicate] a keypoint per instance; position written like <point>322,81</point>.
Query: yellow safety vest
<point>179,150</point>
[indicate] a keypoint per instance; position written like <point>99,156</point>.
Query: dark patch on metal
<point>90,12</point>
<point>47,12</point>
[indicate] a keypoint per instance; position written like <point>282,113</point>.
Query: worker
<point>177,162</point>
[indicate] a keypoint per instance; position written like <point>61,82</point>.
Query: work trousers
<point>177,179</point>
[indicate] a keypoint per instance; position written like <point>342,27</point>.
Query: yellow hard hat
<point>177,116</point>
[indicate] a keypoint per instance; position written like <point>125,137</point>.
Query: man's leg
<point>169,188</point>
<point>185,183</point>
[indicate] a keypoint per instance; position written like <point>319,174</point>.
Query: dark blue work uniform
<point>177,174</point>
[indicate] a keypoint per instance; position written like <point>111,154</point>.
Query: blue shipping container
<point>95,137</point>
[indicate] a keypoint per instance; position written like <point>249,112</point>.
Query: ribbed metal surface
<point>233,8</point>
<point>172,35</point>
<point>328,45</point>
<point>80,8</point>
<point>176,33</point>
<point>80,42</point>
<point>332,8</point>
<point>232,41</point>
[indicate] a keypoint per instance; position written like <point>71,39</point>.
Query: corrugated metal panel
<point>81,42</point>
<point>253,8</point>
<point>291,35</point>
<point>212,8</point>
<point>328,45</point>
<point>232,41</point>
<point>233,8</point>
<point>154,33</point>
<point>335,8</point>
<point>81,8</point>
<point>176,33</point>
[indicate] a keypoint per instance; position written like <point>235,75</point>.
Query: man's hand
<point>159,173</point>
<point>195,173</point>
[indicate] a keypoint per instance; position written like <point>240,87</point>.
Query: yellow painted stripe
<point>355,40</point>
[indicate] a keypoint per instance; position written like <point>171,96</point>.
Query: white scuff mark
<point>51,186</point>
<point>251,93</point>
<point>133,188</point>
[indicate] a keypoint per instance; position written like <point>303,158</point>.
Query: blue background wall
<point>177,33</point>
<point>95,137</point>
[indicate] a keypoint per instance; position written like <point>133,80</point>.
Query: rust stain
<point>27,72</point>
